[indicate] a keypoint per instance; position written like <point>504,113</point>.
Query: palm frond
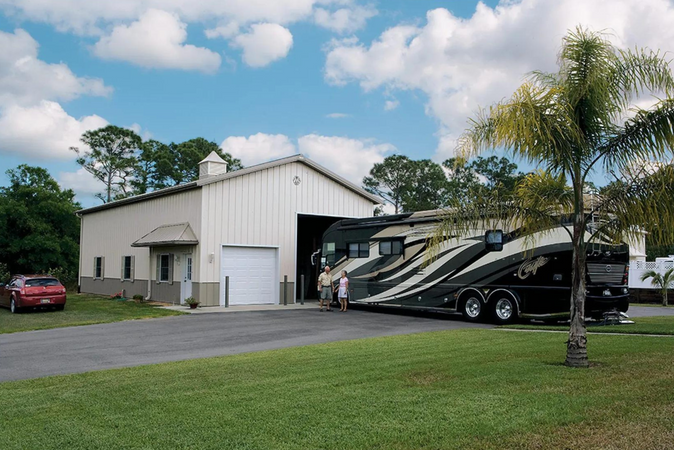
<point>539,203</point>
<point>648,135</point>
<point>641,71</point>
<point>535,125</point>
<point>642,201</point>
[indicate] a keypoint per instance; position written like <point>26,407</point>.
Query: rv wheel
<point>472,307</point>
<point>504,308</point>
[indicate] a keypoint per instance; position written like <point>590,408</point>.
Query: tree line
<point>127,166</point>
<point>39,230</point>
<point>409,185</point>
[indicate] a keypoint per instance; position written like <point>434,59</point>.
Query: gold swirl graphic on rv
<point>530,266</point>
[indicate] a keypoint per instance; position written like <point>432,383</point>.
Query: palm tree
<point>574,123</point>
<point>660,281</point>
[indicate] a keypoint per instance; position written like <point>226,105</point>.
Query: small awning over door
<point>166,235</point>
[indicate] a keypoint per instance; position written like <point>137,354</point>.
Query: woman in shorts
<point>343,291</point>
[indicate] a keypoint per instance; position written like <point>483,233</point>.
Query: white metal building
<point>255,225</point>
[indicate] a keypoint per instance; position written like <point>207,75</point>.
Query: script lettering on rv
<point>530,266</point>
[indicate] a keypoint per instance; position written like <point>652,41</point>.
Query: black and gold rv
<point>485,275</point>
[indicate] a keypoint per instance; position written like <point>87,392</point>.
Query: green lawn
<point>81,309</point>
<point>642,325</point>
<point>469,389</point>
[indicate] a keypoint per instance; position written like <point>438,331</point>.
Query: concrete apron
<point>240,308</point>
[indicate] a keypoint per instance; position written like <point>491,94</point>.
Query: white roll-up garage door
<point>253,275</point>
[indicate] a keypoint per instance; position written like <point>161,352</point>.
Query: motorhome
<point>494,275</point>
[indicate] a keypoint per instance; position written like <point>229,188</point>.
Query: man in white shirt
<point>325,288</point>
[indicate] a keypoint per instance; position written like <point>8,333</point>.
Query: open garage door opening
<point>310,231</point>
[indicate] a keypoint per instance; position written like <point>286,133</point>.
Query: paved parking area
<point>35,354</point>
<point>649,311</point>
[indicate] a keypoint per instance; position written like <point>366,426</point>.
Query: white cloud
<point>143,133</point>
<point>258,148</point>
<point>32,124</point>
<point>337,115</point>
<point>163,46</point>
<point>390,105</point>
<point>226,31</point>
<point>350,158</point>
<point>80,181</point>
<point>87,17</point>
<point>264,44</point>
<point>26,80</point>
<point>44,131</point>
<point>344,20</point>
<point>461,64</point>
<point>156,40</point>
<point>91,17</point>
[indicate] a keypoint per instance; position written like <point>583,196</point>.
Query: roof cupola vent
<point>211,166</point>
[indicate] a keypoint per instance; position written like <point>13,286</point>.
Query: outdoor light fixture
<point>211,257</point>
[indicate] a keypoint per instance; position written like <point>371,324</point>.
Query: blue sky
<point>443,67</point>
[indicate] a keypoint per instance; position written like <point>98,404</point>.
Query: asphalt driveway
<point>35,354</point>
<point>649,311</point>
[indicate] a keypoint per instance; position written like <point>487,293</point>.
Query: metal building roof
<point>238,173</point>
<point>174,234</point>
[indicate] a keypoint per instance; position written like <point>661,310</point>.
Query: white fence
<point>638,268</point>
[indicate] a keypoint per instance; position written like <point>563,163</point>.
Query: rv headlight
<point>625,290</point>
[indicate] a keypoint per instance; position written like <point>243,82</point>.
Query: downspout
<point>149,274</point>
<point>79,272</point>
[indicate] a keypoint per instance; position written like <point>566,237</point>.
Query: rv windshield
<point>328,254</point>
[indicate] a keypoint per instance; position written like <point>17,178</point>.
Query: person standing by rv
<point>342,294</point>
<point>325,288</point>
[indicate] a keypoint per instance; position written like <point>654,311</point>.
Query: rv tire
<point>503,307</point>
<point>472,307</point>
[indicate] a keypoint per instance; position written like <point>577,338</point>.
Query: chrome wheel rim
<point>504,309</point>
<point>473,307</point>
<point>12,306</point>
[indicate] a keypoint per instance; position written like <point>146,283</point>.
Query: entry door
<point>253,275</point>
<point>186,285</point>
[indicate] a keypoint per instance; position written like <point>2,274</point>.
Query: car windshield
<point>42,282</point>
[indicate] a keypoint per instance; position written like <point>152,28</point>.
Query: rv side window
<point>493,240</point>
<point>359,250</point>
<point>391,248</point>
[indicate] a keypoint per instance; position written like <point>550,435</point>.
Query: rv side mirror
<point>493,240</point>
<point>314,257</point>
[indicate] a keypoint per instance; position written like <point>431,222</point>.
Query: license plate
<point>45,300</point>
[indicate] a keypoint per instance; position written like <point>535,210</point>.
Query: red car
<point>32,291</point>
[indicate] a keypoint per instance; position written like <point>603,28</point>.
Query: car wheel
<point>472,308</point>
<point>504,309</point>
<point>12,306</point>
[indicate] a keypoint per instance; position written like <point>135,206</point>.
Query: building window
<point>164,267</point>
<point>98,267</point>
<point>391,248</point>
<point>127,268</point>
<point>359,250</point>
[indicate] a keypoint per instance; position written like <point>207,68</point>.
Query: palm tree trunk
<point>664,297</point>
<point>576,346</point>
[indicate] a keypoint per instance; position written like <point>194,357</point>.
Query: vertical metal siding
<point>264,206</point>
<point>254,209</point>
<point>111,232</point>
